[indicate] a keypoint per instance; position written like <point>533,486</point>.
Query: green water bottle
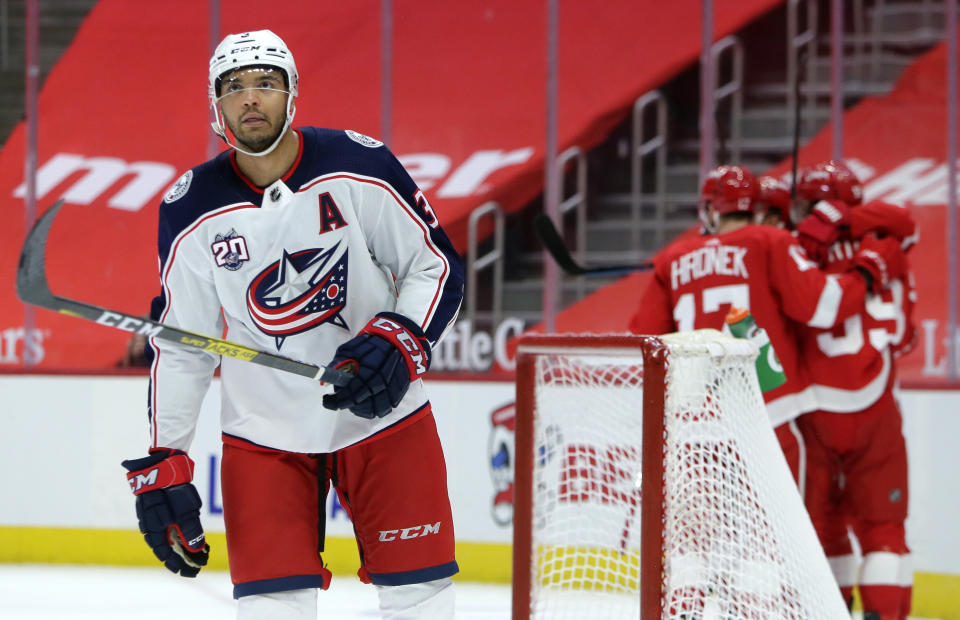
<point>769,370</point>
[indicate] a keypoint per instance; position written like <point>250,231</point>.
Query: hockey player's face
<point>254,106</point>
<point>801,209</point>
<point>770,216</point>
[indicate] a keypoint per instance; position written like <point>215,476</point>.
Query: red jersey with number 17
<point>760,268</point>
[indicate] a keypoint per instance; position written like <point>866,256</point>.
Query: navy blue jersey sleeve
<point>451,295</point>
<point>408,236</point>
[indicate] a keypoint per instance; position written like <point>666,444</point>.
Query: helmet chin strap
<point>219,128</point>
<point>709,220</point>
<point>714,218</point>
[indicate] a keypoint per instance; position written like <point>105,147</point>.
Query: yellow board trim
<point>934,595</point>
<point>486,562</point>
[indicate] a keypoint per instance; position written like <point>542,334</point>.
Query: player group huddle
<point>827,277</point>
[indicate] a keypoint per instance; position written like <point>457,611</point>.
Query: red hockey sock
<point>882,600</point>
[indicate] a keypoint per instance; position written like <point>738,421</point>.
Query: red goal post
<point>720,533</point>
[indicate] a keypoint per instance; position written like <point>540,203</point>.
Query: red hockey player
<point>762,269</point>
<point>857,461</point>
<point>771,203</point>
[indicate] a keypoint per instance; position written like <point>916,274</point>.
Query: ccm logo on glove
<point>388,353</point>
<point>171,471</point>
<point>168,509</point>
<point>391,330</point>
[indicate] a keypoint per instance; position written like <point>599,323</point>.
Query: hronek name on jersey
<point>724,260</point>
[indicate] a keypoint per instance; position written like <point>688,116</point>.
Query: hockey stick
<point>32,288</point>
<point>795,147</point>
<point>554,244</point>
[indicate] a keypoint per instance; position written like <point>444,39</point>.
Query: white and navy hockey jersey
<point>297,268</point>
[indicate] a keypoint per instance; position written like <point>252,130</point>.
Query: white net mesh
<point>736,539</point>
<point>586,517</point>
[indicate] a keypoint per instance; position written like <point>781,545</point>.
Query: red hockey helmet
<point>729,189</point>
<point>846,186</point>
<point>813,184</point>
<point>829,180</point>
<point>772,198</point>
<point>773,192</point>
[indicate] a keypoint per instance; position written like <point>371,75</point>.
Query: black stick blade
<point>553,243</point>
<point>32,286</point>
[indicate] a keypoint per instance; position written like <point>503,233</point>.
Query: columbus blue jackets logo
<point>299,292</point>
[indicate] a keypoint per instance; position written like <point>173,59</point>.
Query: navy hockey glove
<point>880,260</point>
<point>388,353</point>
<point>168,509</point>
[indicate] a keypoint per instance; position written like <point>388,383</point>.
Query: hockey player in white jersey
<point>315,243</point>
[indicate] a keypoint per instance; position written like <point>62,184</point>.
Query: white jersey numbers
<point>800,258</point>
<point>853,335</point>
<point>713,299</point>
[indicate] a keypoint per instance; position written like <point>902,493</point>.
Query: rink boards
<point>66,499</point>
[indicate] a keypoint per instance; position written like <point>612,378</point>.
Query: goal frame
<point>654,354</point>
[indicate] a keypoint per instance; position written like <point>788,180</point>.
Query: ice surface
<point>38,592</point>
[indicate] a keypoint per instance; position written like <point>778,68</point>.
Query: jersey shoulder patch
<point>179,189</point>
<point>359,138</point>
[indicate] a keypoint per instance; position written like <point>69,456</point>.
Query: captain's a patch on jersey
<point>359,138</point>
<point>178,189</point>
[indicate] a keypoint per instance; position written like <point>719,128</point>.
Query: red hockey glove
<point>168,509</point>
<point>388,353</point>
<point>880,260</point>
<point>885,219</point>
<point>819,230</point>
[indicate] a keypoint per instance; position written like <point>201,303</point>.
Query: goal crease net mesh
<point>735,539</point>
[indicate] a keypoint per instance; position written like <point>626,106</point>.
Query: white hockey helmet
<point>249,49</point>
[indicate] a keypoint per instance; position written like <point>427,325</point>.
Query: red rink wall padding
<point>897,146</point>
<point>124,112</point>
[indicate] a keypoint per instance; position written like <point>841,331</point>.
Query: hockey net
<point>649,464</point>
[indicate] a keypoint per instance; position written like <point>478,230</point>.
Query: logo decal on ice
<point>359,138</point>
<point>500,450</point>
<point>178,189</point>
<point>299,292</point>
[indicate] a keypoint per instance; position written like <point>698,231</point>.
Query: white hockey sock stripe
<point>433,599</point>
<point>286,605</point>
<point>880,568</point>
<point>844,568</point>
<point>905,572</point>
